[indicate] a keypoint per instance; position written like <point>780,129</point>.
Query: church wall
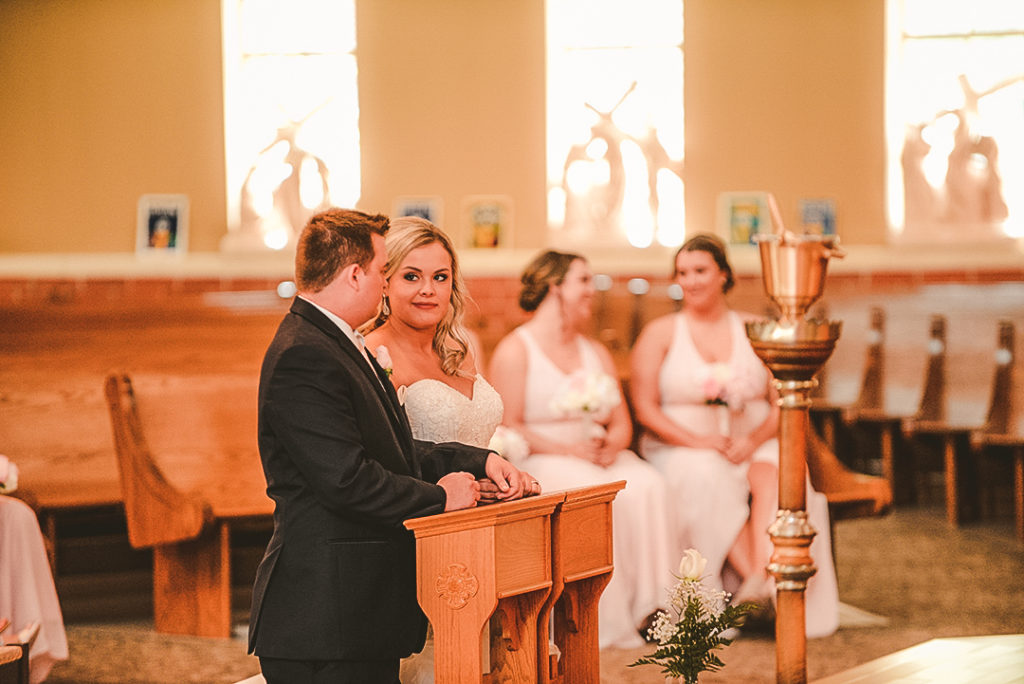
<point>107,100</point>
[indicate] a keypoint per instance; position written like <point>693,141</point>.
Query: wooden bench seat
<point>952,422</point>
<point>1003,433</point>
<point>190,472</point>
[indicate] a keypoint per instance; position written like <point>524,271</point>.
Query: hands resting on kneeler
<point>504,482</point>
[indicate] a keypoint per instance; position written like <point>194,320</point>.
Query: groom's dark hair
<point>547,269</point>
<point>332,240</point>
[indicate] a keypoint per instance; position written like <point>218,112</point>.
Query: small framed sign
<point>742,215</point>
<point>487,221</point>
<point>162,225</point>
<point>425,206</point>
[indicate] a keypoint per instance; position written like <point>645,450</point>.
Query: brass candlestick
<point>794,349</point>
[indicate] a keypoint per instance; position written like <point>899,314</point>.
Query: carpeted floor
<point>905,578</point>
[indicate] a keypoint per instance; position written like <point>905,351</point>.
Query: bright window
<point>615,122</point>
<point>291,114</point>
<point>955,119</point>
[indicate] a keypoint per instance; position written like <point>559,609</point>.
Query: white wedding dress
<point>440,413</point>
<point>642,517</point>
<point>711,493</point>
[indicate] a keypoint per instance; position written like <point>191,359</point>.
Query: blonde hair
<point>451,343</point>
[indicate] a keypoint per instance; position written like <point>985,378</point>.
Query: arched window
<point>955,120</point>
<point>615,122</point>
<point>291,113</point>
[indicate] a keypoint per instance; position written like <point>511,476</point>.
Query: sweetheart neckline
<point>468,398</point>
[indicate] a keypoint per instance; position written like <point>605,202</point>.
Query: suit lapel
<point>373,372</point>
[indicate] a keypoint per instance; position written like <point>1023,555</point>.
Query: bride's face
<point>577,291</point>
<point>420,291</point>
<point>700,277</point>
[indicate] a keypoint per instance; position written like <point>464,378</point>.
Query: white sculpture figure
<point>599,207</point>
<point>971,194</point>
<point>284,187</point>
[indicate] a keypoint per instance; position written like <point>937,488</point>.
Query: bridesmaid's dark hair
<point>713,246</point>
<point>547,269</point>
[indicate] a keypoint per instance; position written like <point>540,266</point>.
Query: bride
<point>419,339</point>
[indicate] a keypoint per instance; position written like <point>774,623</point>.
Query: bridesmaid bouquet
<point>8,475</point>
<point>716,385</point>
<point>696,625</point>
<point>587,394</point>
<point>590,397</point>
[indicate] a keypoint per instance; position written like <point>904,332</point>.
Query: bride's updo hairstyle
<point>713,246</point>
<point>547,269</point>
<point>450,340</point>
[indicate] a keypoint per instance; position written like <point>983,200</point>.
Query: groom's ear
<point>350,276</point>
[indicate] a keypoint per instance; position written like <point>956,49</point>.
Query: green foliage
<point>697,635</point>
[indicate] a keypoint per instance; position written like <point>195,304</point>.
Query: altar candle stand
<point>794,349</point>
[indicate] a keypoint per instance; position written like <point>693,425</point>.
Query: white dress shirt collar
<point>356,337</point>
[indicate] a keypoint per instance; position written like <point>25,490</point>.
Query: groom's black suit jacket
<point>338,579</point>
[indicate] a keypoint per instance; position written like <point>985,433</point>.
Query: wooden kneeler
<point>582,566</point>
<point>506,560</point>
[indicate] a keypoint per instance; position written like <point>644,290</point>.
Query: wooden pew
<point>942,417</point>
<point>827,411</point>
<point>888,421</point>
<point>190,472</point>
<point>1003,433</point>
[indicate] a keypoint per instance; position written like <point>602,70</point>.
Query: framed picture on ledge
<point>487,221</point>
<point>162,225</point>
<point>742,215</point>
<point>428,207</point>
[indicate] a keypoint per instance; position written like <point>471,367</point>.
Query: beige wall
<point>787,96</point>
<point>105,100</point>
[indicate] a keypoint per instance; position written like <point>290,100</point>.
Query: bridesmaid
<point>562,395</point>
<point>710,419</point>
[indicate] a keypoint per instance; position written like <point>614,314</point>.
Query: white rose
<point>384,358</point>
<point>692,565</point>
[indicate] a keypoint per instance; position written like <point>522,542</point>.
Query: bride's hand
<point>511,482</point>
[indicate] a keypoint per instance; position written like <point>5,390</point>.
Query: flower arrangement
<point>695,625</point>
<point>509,444</point>
<point>587,394</point>
<point>383,357</point>
<point>8,475</point>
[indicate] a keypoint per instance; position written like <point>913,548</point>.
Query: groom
<point>335,594</point>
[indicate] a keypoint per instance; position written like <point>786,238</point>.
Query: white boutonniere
<point>384,359</point>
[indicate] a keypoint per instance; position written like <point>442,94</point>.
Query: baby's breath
<point>691,630</point>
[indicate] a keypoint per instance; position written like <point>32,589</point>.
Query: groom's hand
<point>462,491</point>
<point>511,482</point>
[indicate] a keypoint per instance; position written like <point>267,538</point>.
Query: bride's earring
<point>385,308</point>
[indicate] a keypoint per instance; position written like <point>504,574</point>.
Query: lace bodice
<point>440,413</point>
